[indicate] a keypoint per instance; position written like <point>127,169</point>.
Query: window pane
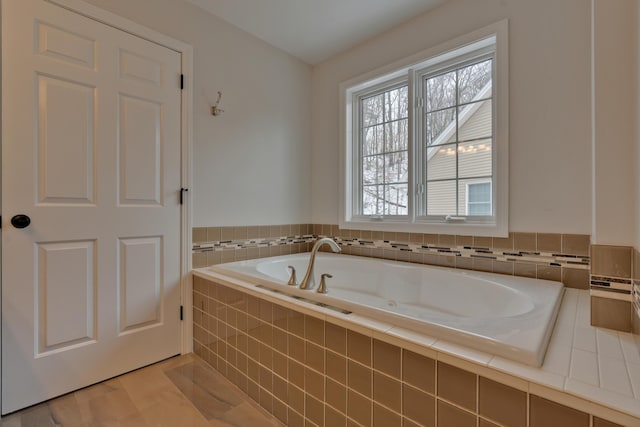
<point>372,110</point>
<point>373,170</point>
<point>396,135</point>
<point>372,199</point>
<point>441,198</point>
<point>441,162</point>
<point>396,167</point>
<point>474,159</point>
<point>441,127</point>
<point>475,121</point>
<point>372,140</point>
<point>476,196</point>
<point>474,81</point>
<point>396,196</point>
<point>441,91</point>
<point>396,104</point>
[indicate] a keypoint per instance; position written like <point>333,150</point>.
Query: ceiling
<point>315,30</point>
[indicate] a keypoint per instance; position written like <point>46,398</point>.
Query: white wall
<point>615,121</point>
<point>251,165</point>
<point>550,127</point>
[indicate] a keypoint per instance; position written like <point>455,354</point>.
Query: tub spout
<point>309,282</point>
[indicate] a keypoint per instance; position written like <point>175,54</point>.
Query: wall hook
<point>215,109</point>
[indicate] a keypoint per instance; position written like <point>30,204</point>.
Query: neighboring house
<point>474,163</point>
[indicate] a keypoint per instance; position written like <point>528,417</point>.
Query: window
<point>425,141</point>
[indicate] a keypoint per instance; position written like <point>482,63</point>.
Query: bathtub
<point>507,316</point>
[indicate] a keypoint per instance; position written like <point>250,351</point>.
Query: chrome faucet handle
<point>322,289</point>
<point>292,278</point>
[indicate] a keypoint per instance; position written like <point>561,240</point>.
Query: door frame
<point>186,123</point>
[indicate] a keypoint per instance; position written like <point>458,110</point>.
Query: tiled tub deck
<point>314,366</point>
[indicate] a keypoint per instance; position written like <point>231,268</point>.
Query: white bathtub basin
<point>504,315</point>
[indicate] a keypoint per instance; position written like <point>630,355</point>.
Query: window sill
<point>460,229</point>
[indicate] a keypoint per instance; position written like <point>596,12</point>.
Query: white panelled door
<point>91,154</point>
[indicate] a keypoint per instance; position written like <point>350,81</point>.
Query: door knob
<point>20,221</point>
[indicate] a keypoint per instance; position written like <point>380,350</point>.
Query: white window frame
<point>493,37</point>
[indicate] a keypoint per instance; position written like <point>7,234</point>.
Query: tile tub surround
<point>558,257</point>
<point>612,287</point>
<point>310,364</point>
<point>636,296</point>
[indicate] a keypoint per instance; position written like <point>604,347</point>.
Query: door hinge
<point>182,191</point>
<point>181,81</point>
<point>419,102</point>
<point>181,313</point>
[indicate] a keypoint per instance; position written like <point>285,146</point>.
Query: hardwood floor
<point>179,392</point>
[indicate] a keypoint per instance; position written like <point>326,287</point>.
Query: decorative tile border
<point>611,287</point>
<point>559,257</point>
<point>531,257</point>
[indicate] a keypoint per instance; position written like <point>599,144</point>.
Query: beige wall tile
<point>549,243</point>
<point>524,270</point>
<point>226,234</point>
<point>431,239</point>
<point>418,406</point>
<point>502,404</point>
<point>545,413</point>
<point>280,364</point>
<point>296,348</point>
<point>446,239</point>
<point>503,242</point>
<point>359,347</point>
<point>386,358</point>
<point>524,241</point>
<point>387,391</point>
<point>611,313</point>
<point>314,330</point>
<point>295,398</point>
<point>334,418</point>
<point>213,234</point>
<point>198,234</point>
<point>576,244</point>
<point>336,395</point>
<point>314,383</point>
<point>464,263</point>
<point>464,241</point>
<point>359,378</point>
<point>359,408</point>
<point>314,410</point>
<point>575,278</point>
<point>482,242</point>
<point>336,366</point>
<point>294,419</point>
<point>383,417</point>
<point>549,272</point>
<point>295,323</point>
<point>296,374</point>
<point>481,264</point>
<point>314,356</point>
<point>199,259</point>
<point>416,238</point>
<point>457,386</point>
<point>450,416</point>
<point>503,267</point>
<point>418,370</point>
<point>613,261</point>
